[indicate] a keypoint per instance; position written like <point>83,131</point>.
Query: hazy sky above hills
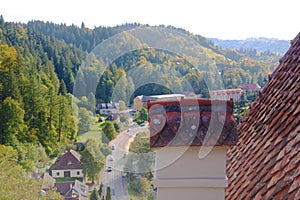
<point>224,19</point>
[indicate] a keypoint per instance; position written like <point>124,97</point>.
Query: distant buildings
<point>228,94</point>
<point>250,87</point>
<point>108,108</point>
<point>140,102</point>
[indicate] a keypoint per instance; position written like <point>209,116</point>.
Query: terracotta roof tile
<point>265,163</point>
<point>192,122</point>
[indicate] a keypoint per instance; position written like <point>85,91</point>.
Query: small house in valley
<point>108,108</point>
<point>74,190</point>
<point>67,166</point>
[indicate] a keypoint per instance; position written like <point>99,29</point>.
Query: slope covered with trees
<point>40,63</point>
<point>236,66</point>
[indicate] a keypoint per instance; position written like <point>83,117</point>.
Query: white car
<point>111,158</point>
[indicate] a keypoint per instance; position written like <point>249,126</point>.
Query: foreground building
<point>190,137</point>
<point>265,163</point>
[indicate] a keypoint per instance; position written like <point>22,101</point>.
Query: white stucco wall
<point>187,176</point>
<point>73,173</point>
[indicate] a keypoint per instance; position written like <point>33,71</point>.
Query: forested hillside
<point>40,61</point>
<point>36,73</point>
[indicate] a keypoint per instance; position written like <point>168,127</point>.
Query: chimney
<point>190,137</point>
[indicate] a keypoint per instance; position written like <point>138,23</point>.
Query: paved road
<point>120,147</point>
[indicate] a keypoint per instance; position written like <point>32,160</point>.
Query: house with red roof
<point>265,163</point>
<point>74,190</point>
<point>250,87</point>
<point>67,166</point>
<point>227,94</point>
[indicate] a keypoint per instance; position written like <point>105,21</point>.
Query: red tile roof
<point>265,163</point>
<point>70,160</point>
<point>64,187</point>
<point>191,122</point>
<point>250,87</point>
<point>72,190</point>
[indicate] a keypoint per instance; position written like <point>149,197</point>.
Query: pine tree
<point>108,193</point>
<point>12,123</point>
<point>95,195</point>
<point>91,166</point>
<point>109,131</point>
<point>100,189</point>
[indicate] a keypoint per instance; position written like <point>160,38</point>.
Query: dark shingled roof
<point>191,122</point>
<point>265,163</point>
<point>64,187</point>
<point>70,160</point>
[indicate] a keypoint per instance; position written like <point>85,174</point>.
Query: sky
<point>223,19</point>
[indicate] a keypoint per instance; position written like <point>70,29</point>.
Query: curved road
<point>120,147</point>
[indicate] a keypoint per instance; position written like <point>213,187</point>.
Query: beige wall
<point>137,103</point>
<point>186,176</point>
<point>73,173</point>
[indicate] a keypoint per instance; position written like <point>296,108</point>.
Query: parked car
<point>109,169</point>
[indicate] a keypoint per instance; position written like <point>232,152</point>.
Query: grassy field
<point>94,133</point>
<point>67,179</point>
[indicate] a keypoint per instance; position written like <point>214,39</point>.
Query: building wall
<point>73,173</point>
<point>137,103</point>
<point>234,94</point>
<point>191,173</point>
<point>108,111</point>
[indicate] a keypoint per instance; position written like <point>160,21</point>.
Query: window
<point>57,173</point>
<point>78,172</point>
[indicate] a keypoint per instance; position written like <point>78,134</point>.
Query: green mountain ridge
<point>41,62</point>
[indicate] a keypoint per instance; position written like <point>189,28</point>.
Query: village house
<point>108,108</point>
<point>74,190</point>
<point>265,163</point>
<point>250,87</point>
<point>67,166</point>
<point>140,102</point>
